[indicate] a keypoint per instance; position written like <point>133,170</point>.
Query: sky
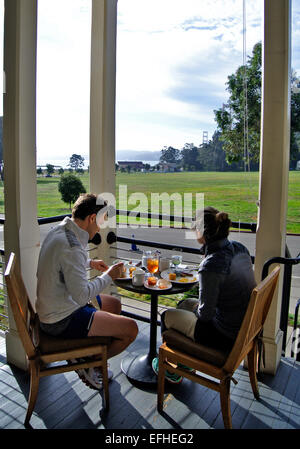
<point>173,60</point>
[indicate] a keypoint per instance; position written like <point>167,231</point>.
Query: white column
<point>21,231</point>
<point>102,105</point>
<point>274,159</point>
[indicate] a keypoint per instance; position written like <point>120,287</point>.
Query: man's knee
<point>132,330</point>
<point>111,304</point>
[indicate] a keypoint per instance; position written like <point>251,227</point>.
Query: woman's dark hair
<point>86,205</point>
<point>216,224</point>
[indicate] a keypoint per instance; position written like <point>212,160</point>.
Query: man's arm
<point>82,290</point>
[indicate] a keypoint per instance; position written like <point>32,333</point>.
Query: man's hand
<point>99,265</point>
<point>115,271</point>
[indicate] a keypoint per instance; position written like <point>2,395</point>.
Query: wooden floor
<point>64,402</point>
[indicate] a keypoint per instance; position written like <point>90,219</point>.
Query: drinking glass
<point>176,260</point>
<point>153,263</point>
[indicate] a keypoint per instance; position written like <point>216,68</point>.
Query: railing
<point>288,263</point>
<point>186,250</point>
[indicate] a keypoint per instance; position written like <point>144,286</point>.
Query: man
<point>64,292</point>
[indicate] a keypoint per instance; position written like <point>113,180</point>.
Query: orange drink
<point>152,265</point>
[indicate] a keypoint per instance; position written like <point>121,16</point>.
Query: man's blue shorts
<point>77,325</point>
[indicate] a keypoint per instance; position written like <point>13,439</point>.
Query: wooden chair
<point>42,349</point>
<point>221,365</point>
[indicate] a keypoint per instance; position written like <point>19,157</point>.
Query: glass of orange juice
<point>153,262</point>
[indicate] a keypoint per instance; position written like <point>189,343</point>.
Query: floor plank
<point>64,402</point>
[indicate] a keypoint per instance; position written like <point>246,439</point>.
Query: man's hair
<point>86,205</point>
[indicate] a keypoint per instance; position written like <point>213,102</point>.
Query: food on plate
<point>172,276</point>
<point>131,270</point>
<point>123,272</point>
<point>163,283</point>
<point>152,281</point>
<point>183,280</point>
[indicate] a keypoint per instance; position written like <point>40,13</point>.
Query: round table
<point>139,368</point>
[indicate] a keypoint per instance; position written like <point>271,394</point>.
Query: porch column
<point>274,159</point>
<point>102,106</point>
<point>21,231</point>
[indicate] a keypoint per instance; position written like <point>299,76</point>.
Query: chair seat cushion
<point>177,340</point>
<point>49,344</point>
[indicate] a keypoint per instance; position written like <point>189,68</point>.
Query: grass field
<point>233,192</point>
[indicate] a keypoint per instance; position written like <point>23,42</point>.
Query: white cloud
<point>173,62</point>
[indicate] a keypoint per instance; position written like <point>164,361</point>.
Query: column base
<point>273,350</point>
<point>15,353</point>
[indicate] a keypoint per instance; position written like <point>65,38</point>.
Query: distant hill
<point>131,155</point>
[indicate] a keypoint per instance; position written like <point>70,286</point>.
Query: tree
<point>50,169</point>
<point>70,187</point>
<point>39,171</point>
<point>169,155</point>
<point>233,116</point>
<point>212,157</point>
<point>76,161</point>
<point>61,171</point>
<point>190,157</point>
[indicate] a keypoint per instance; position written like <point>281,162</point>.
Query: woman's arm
<point>209,289</point>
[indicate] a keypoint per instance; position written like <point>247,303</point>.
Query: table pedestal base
<point>139,368</point>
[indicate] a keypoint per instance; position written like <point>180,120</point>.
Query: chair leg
<point>225,402</point>
<point>105,385</point>
<point>161,382</point>
<point>34,387</point>
<point>252,365</point>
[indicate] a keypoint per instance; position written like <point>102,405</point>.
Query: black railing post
<point>284,315</point>
<point>288,262</point>
<point>296,335</point>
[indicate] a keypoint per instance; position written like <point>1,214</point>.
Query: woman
<point>226,280</point>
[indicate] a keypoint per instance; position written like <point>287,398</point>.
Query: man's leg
<point>110,304</point>
<point>123,329</point>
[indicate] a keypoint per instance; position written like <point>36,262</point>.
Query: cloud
<point>173,66</point>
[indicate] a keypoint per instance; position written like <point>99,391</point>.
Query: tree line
<point>235,145</point>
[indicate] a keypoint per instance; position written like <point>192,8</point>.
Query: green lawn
<point>233,192</point>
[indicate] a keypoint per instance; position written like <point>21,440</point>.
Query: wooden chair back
<point>23,312</point>
<point>254,319</point>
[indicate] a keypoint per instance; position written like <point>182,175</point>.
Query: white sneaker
<point>92,377</point>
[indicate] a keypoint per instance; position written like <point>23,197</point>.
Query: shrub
<point>70,187</point>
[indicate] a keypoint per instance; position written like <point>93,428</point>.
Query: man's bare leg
<point>110,304</point>
<point>123,329</point>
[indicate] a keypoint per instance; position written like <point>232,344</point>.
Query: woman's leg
<point>181,320</point>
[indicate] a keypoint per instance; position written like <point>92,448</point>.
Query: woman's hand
<point>99,265</point>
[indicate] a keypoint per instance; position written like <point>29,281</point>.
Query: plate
<point>155,287</point>
<point>181,279</point>
<point>127,276</point>
<point>131,262</point>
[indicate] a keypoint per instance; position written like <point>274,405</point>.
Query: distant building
<point>138,165</point>
<point>168,166</point>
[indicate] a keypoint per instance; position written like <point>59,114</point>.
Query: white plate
<point>178,280</point>
<point>131,263</point>
<point>156,288</point>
